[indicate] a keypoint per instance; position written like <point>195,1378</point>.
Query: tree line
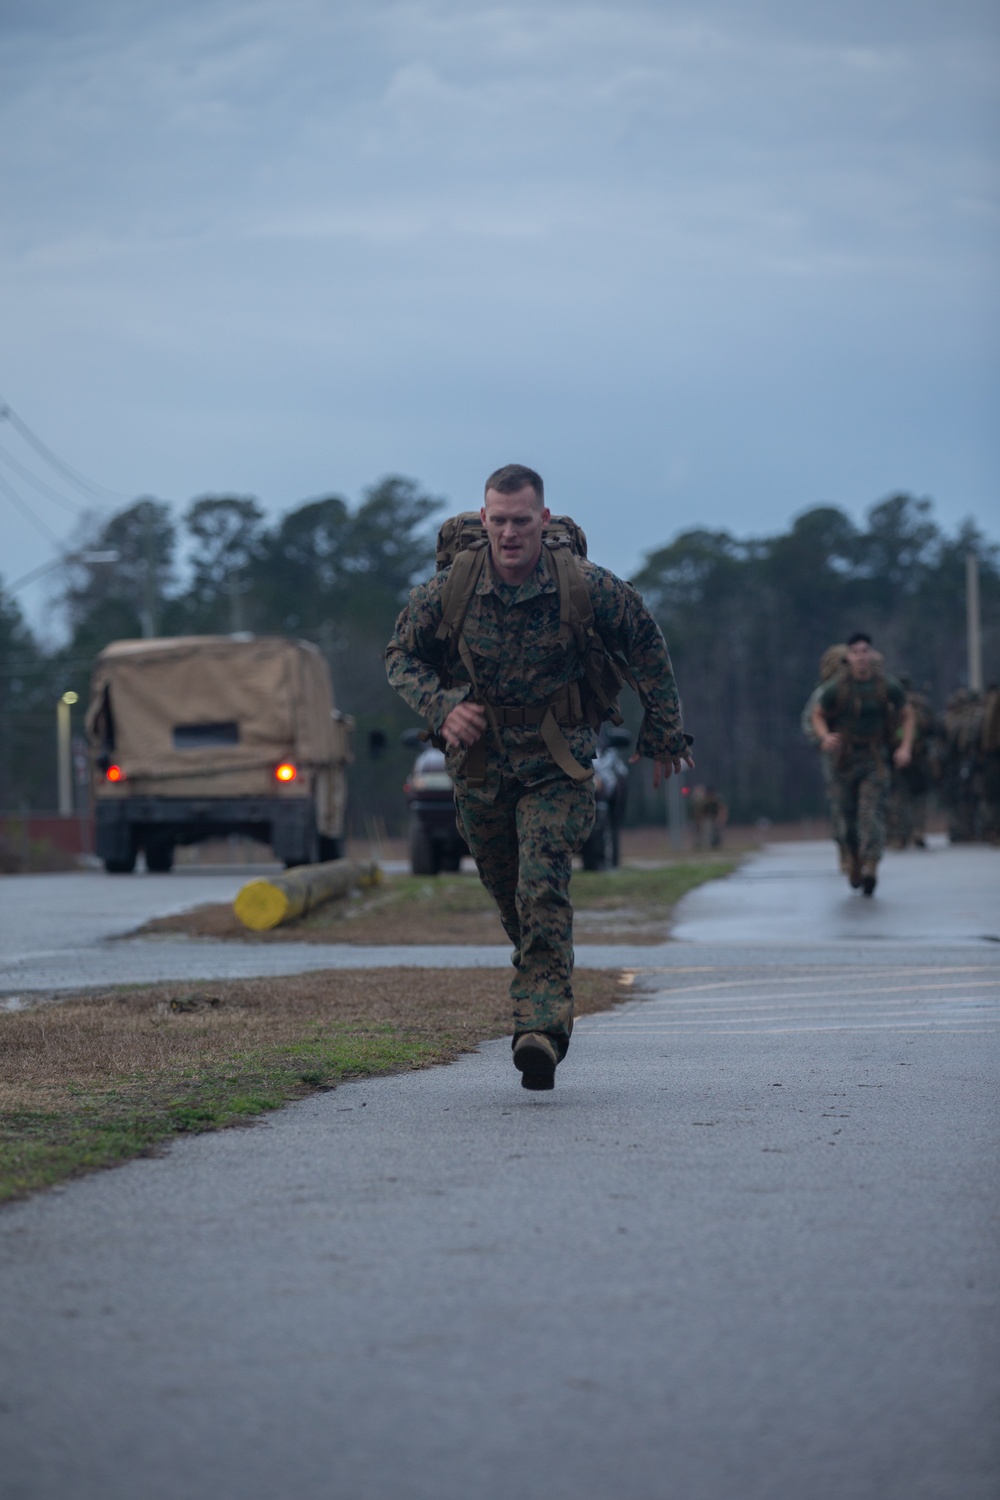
<point>746,621</point>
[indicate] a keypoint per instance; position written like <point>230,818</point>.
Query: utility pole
<point>972,622</point>
<point>235,601</point>
<point>63,708</point>
<point>149,591</point>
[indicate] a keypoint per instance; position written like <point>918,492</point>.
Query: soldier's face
<point>514,524</point>
<point>859,659</point>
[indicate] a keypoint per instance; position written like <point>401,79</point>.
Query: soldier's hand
<point>901,757</point>
<point>666,766</point>
<point>830,743</point>
<point>464,725</point>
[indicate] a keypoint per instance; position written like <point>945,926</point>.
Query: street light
<point>63,708</point>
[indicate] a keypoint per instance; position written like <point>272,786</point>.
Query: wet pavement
<point>794,893</point>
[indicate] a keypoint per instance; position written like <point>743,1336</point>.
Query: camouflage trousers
<point>523,844</point>
<point>990,800</point>
<point>906,818</point>
<point>858,791</point>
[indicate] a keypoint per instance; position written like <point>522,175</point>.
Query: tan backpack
<point>847,702</point>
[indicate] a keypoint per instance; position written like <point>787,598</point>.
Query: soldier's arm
<point>414,659</point>
<point>826,739</point>
<point>821,728</point>
<point>629,630</point>
<point>908,723</point>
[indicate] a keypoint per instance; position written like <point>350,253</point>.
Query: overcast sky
<point>701,265</point>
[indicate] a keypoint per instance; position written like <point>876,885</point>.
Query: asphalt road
<point>747,1250</point>
<point>60,932</point>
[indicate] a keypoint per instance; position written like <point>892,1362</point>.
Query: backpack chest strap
<point>565,704</point>
<point>565,708</point>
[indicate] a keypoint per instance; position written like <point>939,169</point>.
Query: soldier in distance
<point>862,717</point>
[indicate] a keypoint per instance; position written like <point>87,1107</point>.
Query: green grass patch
<point>663,887</point>
<point>104,1127</point>
<point>656,889</point>
<point>97,1079</point>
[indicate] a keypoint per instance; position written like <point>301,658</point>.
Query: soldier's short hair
<point>859,635</point>
<point>514,477</point>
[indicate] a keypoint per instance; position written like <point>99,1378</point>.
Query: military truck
<point>197,737</point>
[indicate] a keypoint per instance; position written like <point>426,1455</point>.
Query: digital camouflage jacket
<point>513,637</point>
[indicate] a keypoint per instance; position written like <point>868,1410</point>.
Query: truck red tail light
<point>286,771</point>
<point>115,773</point>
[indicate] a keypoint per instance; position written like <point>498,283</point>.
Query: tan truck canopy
<point>227,703</point>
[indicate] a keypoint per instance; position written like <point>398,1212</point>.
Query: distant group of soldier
<point>884,752</point>
<point>964,760</point>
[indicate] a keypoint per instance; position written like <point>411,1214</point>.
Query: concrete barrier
<point>266,903</point>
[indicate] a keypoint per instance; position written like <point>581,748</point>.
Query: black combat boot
<point>535,1057</point>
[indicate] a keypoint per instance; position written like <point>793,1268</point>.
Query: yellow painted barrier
<point>263,904</point>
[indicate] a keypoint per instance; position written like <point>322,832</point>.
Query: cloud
<point>584,228</point>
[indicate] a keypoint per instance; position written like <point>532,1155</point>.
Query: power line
<point>88,556</point>
<point>39,572</point>
<point>8,414</point>
<point>29,514</point>
<point>40,484</point>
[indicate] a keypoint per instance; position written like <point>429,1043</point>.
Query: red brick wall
<point>70,835</point>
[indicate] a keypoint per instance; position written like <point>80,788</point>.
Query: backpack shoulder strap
<point>843,699</point>
<point>605,672</point>
<point>576,613</point>
<point>459,587</point>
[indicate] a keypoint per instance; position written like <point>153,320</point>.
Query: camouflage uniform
<point>858,787</point>
<point>962,777</point>
<point>528,818</point>
<point>830,663</point>
<point>907,812</point>
<point>989,744</point>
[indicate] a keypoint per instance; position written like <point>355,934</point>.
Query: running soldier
<point>833,660</point>
<point>855,721</point>
<point>962,772</point>
<point>513,702</point>
<point>906,820</point>
<point>990,747</point>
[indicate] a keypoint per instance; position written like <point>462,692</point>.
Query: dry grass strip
<point>99,1078</point>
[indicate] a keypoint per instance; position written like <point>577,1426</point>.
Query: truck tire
<point>159,856</point>
<point>123,866</point>
<point>330,848</point>
<point>424,853</point>
<point>308,852</point>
